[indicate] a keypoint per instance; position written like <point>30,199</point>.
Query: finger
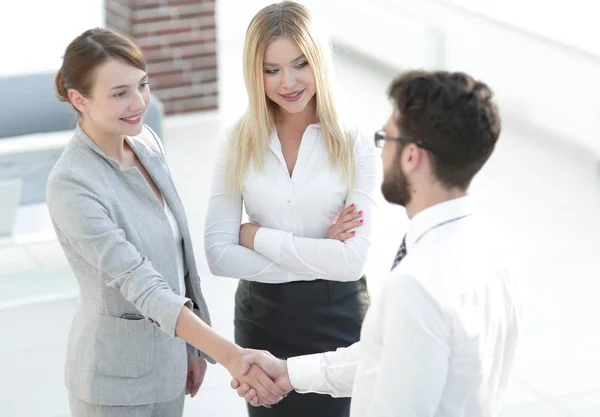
<point>352,216</point>
<point>265,396</point>
<point>346,235</point>
<point>244,390</point>
<point>235,383</point>
<point>188,383</point>
<point>266,352</point>
<point>247,361</point>
<point>349,209</point>
<point>194,390</point>
<point>271,386</point>
<point>254,402</point>
<point>198,376</point>
<point>250,395</point>
<point>351,225</point>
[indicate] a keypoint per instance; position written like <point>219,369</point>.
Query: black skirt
<point>300,318</point>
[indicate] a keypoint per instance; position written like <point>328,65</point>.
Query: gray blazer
<point>120,246</point>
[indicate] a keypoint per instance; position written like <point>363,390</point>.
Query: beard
<point>396,187</point>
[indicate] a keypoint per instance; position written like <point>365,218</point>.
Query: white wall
<point>553,88</point>
<point>35,33</point>
<point>573,22</point>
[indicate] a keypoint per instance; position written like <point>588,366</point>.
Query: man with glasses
<point>439,339</point>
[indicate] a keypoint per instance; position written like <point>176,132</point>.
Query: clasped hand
<point>254,365</point>
<point>259,375</point>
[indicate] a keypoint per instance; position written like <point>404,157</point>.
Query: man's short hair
<point>452,114</point>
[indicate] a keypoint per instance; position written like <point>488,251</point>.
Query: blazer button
<point>150,320</point>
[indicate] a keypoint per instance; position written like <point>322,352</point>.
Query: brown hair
<point>453,116</point>
<point>88,51</point>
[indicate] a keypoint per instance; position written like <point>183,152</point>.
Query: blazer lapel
<point>158,170</point>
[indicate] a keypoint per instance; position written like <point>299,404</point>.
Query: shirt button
<point>150,320</point>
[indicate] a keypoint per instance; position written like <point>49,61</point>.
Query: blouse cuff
<point>267,242</point>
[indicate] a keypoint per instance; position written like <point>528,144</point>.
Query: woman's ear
<point>77,100</point>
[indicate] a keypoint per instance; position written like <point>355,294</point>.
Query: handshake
<point>259,377</point>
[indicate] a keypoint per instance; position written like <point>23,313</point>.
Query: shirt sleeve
<point>81,218</point>
<point>224,254</point>
<point>416,352</point>
<point>329,258</point>
<point>325,373</point>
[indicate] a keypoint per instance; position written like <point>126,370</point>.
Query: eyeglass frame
<point>380,137</point>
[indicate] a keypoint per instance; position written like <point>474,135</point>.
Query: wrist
<point>230,359</point>
<point>248,234</point>
<point>287,380</point>
<point>253,233</point>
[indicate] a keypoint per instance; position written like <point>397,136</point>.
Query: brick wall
<point>178,38</point>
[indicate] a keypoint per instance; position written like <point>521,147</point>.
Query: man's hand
<point>241,369</point>
<point>275,368</point>
<point>195,375</point>
<point>247,234</point>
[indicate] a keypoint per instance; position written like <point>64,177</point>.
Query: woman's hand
<point>247,234</point>
<point>346,221</point>
<point>241,365</point>
<point>195,376</point>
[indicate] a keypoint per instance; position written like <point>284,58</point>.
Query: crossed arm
<point>276,256</point>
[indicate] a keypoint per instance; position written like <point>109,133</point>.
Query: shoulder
<point>409,291</point>
<point>417,277</point>
<point>76,163</point>
<point>362,141</point>
<point>226,131</point>
<point>226,139</point>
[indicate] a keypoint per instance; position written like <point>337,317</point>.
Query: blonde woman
<point>295,167</point>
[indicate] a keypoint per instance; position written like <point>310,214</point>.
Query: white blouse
<point>295,214</point>
<point>178,248</point>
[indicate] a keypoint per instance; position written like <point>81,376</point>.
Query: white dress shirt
<point>439,339</point>
<point>295,213</point>
<point>178,240</point>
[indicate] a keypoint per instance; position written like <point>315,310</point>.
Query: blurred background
<point>540,187</point>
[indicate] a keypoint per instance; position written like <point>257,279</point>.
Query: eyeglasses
<point>381,137</point>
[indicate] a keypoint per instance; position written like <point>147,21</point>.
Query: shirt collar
<point>275,144</point>
<point>436,215</point>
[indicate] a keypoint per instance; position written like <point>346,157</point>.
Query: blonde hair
<point>249,137</point>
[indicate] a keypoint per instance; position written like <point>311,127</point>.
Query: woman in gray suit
<point>124,231</point>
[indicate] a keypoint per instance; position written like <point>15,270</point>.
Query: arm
<point>415,355</point>
<point>325,373</point>
<point>199,334</point>
<point>224,254</point>
<point>81,218</point>
<point>330,258</point>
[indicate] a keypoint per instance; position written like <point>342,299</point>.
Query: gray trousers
<point>172,408</point>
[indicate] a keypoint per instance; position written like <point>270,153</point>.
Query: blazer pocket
<point>125,347</point>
